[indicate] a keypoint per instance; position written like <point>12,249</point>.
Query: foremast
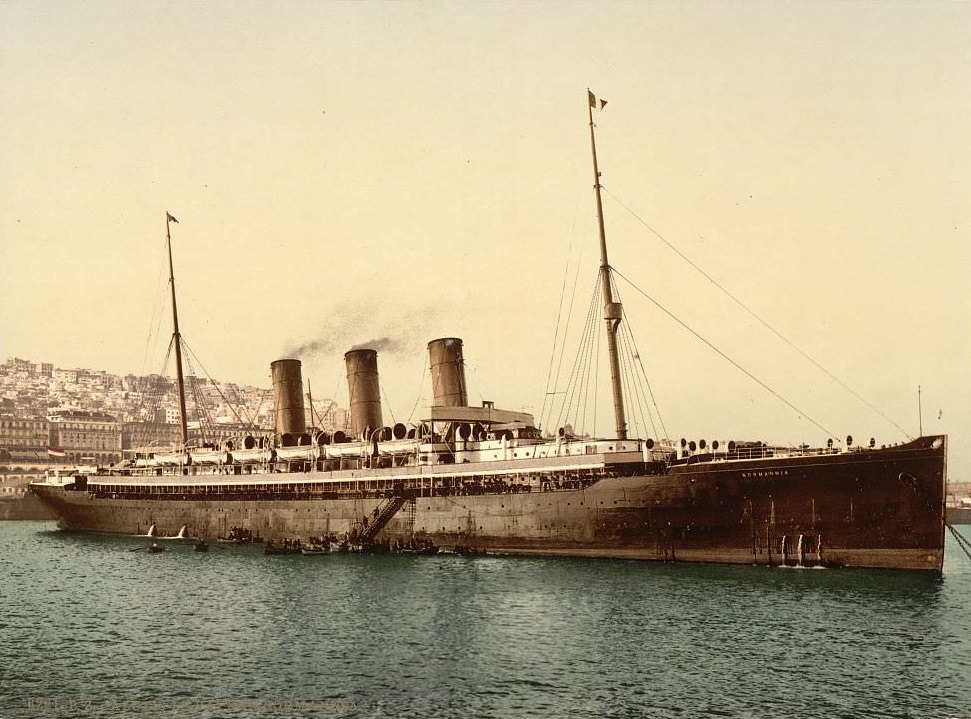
<point>176,337</point>
<point>613,312</point>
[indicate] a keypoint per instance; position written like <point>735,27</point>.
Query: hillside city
<point>92,414</point>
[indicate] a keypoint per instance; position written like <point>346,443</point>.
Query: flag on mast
<point>169,218</point>
<point>594,100</point>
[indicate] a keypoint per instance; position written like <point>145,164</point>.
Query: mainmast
<point>613,312</point>
<point>176,337</point>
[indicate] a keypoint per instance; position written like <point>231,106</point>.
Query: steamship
<point>489,478</point>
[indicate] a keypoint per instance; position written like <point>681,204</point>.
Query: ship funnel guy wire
<point>613,312</point>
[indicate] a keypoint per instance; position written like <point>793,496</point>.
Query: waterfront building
<point>150,434</point>
<point>87,437</point>
<point>24,439</point>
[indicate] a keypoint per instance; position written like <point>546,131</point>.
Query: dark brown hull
<point>869,508</point>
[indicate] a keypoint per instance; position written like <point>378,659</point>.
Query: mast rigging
<point>613,312</point>
<point>176,337</point>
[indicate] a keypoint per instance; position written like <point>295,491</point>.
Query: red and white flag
<point>56,452</point>
<point>595,101</point>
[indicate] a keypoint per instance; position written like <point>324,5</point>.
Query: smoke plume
<point>383,344</point>
<point>391,332</point>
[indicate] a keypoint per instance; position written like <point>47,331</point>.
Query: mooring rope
<point>962,541</point>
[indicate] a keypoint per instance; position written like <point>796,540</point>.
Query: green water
<point>90,628</point>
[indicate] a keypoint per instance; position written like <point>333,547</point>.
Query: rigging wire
<point>421,383</point>
<point>569,317</point>
<point>725,356</point>
<point>577,391</point>
<point>579,404</point>
<point>547,396</point>
<point>594,371</point>
<point>387,401</point>
<point>256,414</point>
<point>646,383</point>
<point>317,418</point>
<point>598,329</point>
<point>589,364</point>
<point>151,399</point>
<point>641,382</point>
<point>203,417</point>
<point>219,390</point>
<point>155,320</point>
<point>638,409</point>
<point>232,408</point>
<point>752,312</point>
<point>341,379</point>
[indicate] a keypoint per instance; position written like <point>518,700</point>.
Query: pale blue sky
<point>355,170</point>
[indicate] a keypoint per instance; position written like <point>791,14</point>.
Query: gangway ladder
<point>370,527</point>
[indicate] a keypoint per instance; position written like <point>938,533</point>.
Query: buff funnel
<point>291,418</point>
<point>364,391</point>
<point>448,372</point>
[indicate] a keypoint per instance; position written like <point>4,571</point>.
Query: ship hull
<point>871,508</point>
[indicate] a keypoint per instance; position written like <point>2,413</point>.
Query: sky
<point>386,173</point>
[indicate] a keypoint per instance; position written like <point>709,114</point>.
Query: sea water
<point>96,626</point>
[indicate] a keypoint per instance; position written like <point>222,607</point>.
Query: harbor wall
<point>23,506</point>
